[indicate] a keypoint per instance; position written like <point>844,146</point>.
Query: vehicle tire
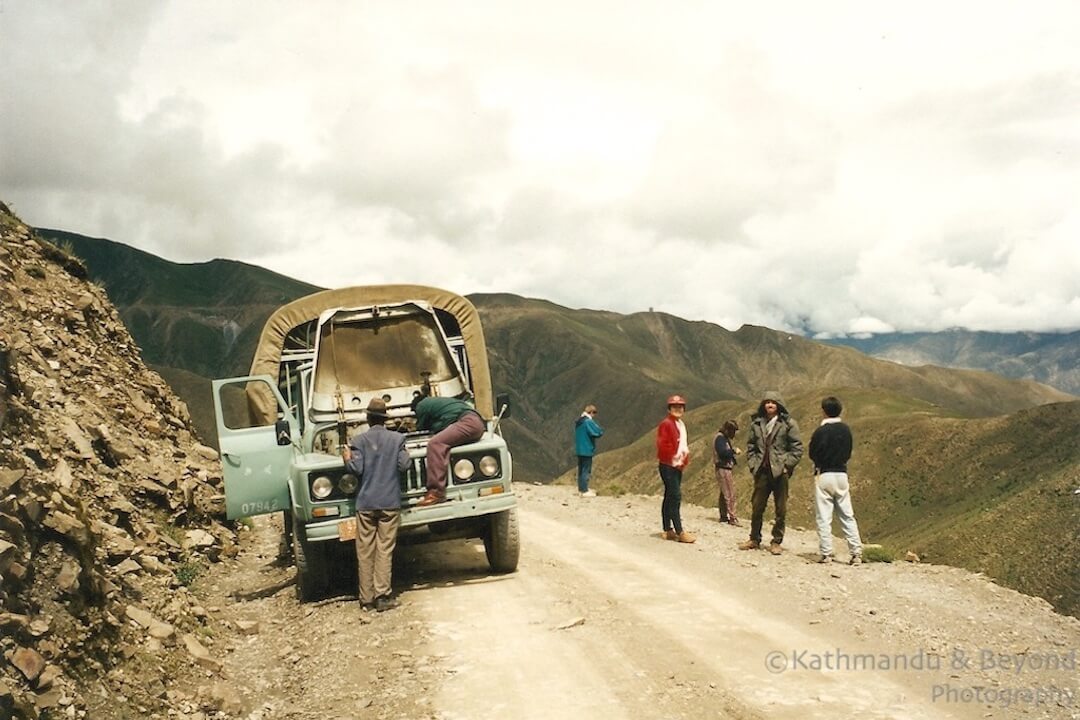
<point>502,541</point>
<point>310,568</point>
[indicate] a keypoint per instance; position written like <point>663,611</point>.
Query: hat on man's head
<point>377,406</point>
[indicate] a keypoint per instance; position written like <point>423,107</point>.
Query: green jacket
<point>438,413</point>
<point>785,446</point>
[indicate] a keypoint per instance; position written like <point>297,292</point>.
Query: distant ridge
<point>1051,358</point>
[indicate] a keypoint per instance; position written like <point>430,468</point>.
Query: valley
<point>983,504</point>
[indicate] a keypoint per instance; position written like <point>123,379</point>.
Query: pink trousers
<point>727,492</point>
<point>466,429</point>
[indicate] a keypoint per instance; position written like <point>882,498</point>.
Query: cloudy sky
<point>826,168</point>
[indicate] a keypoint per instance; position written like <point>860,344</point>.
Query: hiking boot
<point>734,523</point>
<point>669,535</point>
<point>685,537</point>
<point>588,493</point>
<point>825,559</point>
<point>433,497</point>
<point>775,548</point>
<point>385,602</point>
<point>749,545</point>
<point>855,560</point>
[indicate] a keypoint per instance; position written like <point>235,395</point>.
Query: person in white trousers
<point>830,450</point>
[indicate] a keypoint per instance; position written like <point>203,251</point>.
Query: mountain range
<point>1051,358</point>
<point>962,466</point>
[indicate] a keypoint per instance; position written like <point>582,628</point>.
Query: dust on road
<point>605,620</point>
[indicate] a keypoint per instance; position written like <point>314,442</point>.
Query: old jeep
<point>318,362</point>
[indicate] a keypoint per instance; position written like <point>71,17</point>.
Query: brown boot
<point>685,537</point>
<point>749,545</point>
<point>775,549</point>
<point>433,497</point>
<point>669,535</point>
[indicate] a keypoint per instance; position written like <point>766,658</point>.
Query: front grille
<point>415,477</point>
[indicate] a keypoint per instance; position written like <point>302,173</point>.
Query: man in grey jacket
<point>377,457</point>
<point>773,451</point>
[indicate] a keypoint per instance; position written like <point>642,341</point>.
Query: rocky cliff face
<point>109,507</point>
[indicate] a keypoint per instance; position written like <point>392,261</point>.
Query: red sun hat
<point>676,400</point>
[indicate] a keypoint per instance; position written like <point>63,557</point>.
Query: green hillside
<point>202,318</point>
<point>554,360</point>
<point>135,277</point>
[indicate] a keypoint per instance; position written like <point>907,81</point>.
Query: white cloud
<point>829,170</point>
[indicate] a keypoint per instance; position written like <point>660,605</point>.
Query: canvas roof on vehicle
<point>306,309</point>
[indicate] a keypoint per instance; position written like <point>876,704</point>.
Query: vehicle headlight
<point>464,469</point>
<point>348,483</point>
<point>321,487</point>
<point>489,466</point>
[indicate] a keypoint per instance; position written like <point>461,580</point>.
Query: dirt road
<point>606,620</point>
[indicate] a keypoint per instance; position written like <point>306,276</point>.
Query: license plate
<point>347,530</point>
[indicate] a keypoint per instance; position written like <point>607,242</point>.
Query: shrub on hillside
<point>877,553</point>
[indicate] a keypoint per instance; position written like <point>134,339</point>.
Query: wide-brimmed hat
<point>377,406</point>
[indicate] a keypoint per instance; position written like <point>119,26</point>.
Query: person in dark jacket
<point>724,459</point>
<point>830,450</point>
<point>377,457</point>
<point>586,431</point>
<point>455,422</point>
<point>673,455</point>
<point>773,451</point>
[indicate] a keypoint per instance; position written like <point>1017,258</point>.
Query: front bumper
<point>456,507</point>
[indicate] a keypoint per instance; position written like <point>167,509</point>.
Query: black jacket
<point>830,447</point>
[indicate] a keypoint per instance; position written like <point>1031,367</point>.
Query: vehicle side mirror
<point>281,430</point>
<point>502,405</point>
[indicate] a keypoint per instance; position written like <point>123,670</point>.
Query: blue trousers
<point>584,471</point>
<point>671,509</point>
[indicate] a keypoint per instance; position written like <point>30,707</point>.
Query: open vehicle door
<point>255,458</point>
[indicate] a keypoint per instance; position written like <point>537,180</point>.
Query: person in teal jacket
<point>454,422</point>
<point>586,431</point>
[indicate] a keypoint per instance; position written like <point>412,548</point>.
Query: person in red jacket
<point>673,454</point>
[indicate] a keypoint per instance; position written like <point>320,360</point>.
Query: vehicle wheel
<point>310,568</point>
<point>502,541</point>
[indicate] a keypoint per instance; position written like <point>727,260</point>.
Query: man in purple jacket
<point>377,457</point>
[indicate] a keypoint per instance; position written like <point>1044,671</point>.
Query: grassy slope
<point>994,495</point>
